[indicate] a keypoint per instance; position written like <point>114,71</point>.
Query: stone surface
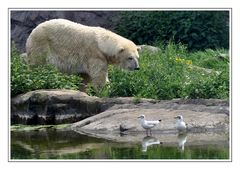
<point>60,106</point>
<point>149,49</point>
<point>52,107</point>
<point>202,116</point>
<point>102,117</point>
<point>207,119</point>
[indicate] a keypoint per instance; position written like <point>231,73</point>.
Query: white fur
<point>75,48</point>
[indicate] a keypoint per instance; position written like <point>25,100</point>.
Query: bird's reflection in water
<point>181,139</point>
<point>148,141</point>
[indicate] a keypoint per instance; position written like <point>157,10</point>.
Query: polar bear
<point>78,49</point>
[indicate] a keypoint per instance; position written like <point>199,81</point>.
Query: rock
<point>98,116</point>
<point>204,70</point>
<point>23,22</point>
<point>223,56</point>
<point>148,48</point>
<point>116,118</point>
<point>52,107</point>
<point>60,106</point>
<point>201,115</point>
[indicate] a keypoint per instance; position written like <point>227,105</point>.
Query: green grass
<point>25,78</point>
<point>174,72</point>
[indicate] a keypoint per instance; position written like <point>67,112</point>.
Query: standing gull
<point>146,124</point>
<point>180,124</point>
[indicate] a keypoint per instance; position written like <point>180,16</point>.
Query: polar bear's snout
<point>132,64</point>
<point>137,68</point>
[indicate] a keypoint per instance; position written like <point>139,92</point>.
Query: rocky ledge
<point>207,118</point>
<point>102,117</point>
<point>61,106</point>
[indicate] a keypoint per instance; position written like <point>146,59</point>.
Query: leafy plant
<point>24,78</point>
<point>197,29</point>
<point>172,73</point>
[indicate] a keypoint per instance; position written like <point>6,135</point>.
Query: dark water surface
<point>53,144</point>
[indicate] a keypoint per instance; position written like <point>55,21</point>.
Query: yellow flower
<point>189,62</point>
<point>179,60</point>
<point>182,60</point>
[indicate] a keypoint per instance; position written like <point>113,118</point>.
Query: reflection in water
<point>148,141</point>
<point>182,139</point>
<point>51,144</point>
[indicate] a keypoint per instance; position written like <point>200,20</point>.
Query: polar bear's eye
<point>130,58</point>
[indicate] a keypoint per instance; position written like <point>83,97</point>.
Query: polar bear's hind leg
<point>37,52</point>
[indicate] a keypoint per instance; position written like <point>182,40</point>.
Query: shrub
<point>24,78</point>
<point>169,74</point>
<point>197,29</point>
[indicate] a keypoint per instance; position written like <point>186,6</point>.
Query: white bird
<point>146,124</point>
<point>180,124</point>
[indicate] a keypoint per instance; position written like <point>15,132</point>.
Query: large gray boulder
<point>207,119</point>
<point>52,107</point>
<point>102,117</point>
<point>60,106</point>
<point>202,116</point>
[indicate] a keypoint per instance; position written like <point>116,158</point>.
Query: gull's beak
<point>138,116</point>
<point>175,117</point>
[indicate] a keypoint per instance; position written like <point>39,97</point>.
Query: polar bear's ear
<point>139,48</point>
<point>121,49</point>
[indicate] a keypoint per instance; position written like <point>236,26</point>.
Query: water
<point>53,144</point>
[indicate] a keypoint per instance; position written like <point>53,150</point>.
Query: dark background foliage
<point>197,29</point>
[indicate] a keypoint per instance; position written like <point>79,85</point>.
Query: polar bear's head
<point>118,50</point>
<point>129,58</point>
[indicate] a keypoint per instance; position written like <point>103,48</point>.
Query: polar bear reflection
<point>148,141</point>
<point>181,139</point>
